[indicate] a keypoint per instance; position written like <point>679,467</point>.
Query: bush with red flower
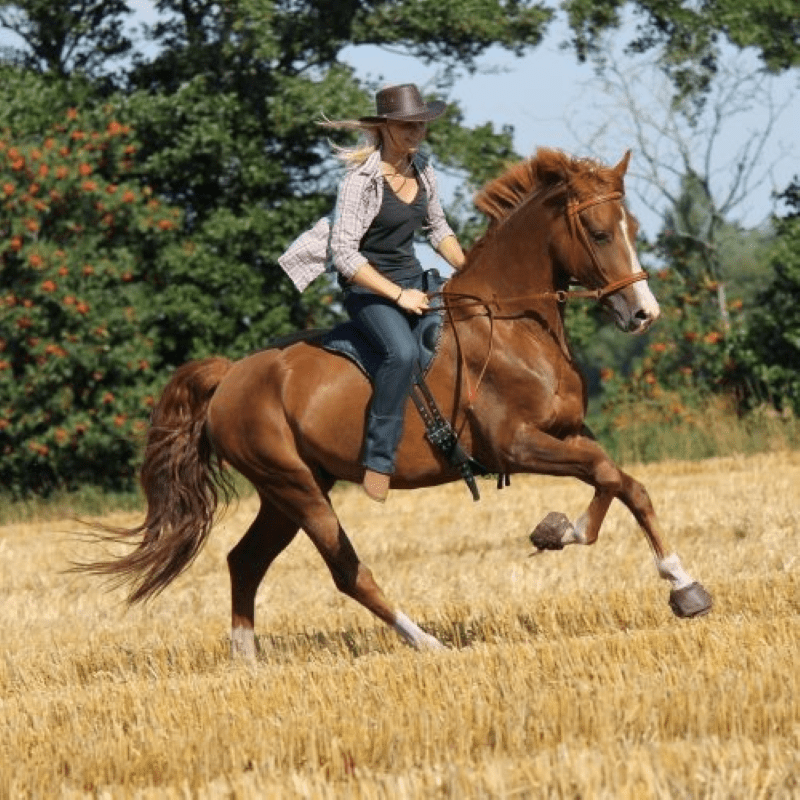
<point>78,237</point>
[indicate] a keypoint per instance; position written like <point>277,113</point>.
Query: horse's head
<point>598,242</point>
<point>570,212</point>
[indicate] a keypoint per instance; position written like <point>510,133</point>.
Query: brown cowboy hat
<point>405,104</point>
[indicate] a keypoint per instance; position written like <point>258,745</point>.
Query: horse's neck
<point>514,272</point>
<point>512,262</point>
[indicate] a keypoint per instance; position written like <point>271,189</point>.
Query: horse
<point>290,418</point>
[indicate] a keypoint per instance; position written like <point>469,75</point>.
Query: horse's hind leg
<point>318,519</point>
<point>248,562</point>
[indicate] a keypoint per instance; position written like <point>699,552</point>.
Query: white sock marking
<point>671,569</point>
<point>243,643</point>
<point>414,635</point>
<point>576,533</point>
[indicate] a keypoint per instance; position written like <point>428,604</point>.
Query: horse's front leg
<point>581,457</point>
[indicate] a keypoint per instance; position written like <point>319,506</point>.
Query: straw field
<point>566,675</point>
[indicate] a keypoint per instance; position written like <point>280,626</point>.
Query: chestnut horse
<point>291,418</point>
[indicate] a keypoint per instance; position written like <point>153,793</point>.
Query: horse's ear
<point>622,167</point>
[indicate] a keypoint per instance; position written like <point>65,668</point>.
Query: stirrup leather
<point>441,435</point>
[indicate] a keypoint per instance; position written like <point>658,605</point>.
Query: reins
<point>497,305</point>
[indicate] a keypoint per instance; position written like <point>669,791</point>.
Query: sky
<point>552,100</point>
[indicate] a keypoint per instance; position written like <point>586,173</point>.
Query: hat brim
<point>434,109</point>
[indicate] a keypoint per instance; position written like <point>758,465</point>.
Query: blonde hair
<point>370,141</point>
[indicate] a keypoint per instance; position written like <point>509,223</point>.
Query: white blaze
<point>644,300</point>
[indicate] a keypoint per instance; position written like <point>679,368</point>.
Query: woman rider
<point>388,194</point>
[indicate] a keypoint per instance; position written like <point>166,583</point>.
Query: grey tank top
<point>388,243</point>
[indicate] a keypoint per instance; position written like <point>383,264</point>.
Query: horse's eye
<point>601,237</point>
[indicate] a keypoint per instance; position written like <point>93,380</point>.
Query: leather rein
<point>497,305</point>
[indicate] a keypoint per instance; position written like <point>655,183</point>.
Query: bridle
<point>577,227</point>
<point>498,308</point>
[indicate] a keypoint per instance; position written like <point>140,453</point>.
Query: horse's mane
<point>581,177</point>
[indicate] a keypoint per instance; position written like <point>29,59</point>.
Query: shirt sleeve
<point>437,226</point>
<point>350,223</point>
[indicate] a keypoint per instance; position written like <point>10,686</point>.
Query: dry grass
<point>567,675</point>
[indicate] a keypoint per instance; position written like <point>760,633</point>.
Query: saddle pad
<point>348,340</point>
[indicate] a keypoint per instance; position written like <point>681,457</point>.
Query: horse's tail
<point>183,482</point>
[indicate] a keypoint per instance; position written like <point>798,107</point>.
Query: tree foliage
<point>768,351</point>
<point>79,238</point>
<point>146,194</point>
<point>689,36</point>
<point>65,38</point>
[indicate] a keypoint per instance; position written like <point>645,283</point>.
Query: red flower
<point>82,308</point>
<point>49,286</point>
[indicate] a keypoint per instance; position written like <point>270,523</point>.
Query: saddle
<point>347,340</point>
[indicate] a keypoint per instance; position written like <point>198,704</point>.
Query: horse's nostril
<point>642,315</point>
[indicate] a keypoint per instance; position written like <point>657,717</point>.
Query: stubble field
<point>566,674</point>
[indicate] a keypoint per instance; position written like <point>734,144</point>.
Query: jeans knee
<point>404,355</point>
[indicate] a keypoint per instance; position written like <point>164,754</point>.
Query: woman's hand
<point>413,301</point>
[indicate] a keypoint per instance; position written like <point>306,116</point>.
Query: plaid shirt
<point>337,242</point>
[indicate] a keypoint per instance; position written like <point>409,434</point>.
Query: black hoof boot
<point>548,534</point>
<point>691,601</point>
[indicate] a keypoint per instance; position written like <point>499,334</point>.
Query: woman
<point>388,194</point>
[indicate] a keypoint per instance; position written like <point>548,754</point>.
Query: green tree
<point>78,241</point>
<point>65,38</point>
<point>228,111</point>
<point>689,36</point>
<point>767,354</point>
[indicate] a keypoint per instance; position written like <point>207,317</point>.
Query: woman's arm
<point>411,300</point>
<point>450,250</point>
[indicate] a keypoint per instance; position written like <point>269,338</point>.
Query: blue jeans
<point>391,331</point>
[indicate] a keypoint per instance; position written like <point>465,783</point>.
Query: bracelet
<point>397,299</point>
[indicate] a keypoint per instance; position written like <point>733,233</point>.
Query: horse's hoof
<point>549,533</point>
<point>691,601</point>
